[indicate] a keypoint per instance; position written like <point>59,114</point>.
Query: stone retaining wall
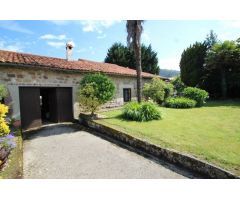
<point>186,161</point>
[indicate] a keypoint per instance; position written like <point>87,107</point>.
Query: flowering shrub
<point>7,142</point>
<point>4,128</point>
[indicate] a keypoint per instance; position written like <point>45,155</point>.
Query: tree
<point>191,64</point>
<point>211,39</point>
<point>223,59</point>
<point>124,56</point>
<point>134,30</point>
<point>120,55</point>
<point>94,91</point>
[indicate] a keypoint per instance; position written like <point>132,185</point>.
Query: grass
<point>211,133</point>
<point>13,169</point>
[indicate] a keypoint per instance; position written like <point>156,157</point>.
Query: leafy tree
<point>191,64</point>
<point>95,90</point>
<point>124,56</point>
<point>222,69</point>
<point>134,31</point>
<point>178,85</point>
<point>155,90</point>
<point>120,55</point>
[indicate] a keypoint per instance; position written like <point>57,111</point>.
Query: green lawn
<point>211,133</point>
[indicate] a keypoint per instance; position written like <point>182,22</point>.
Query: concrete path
<point>66,152</point>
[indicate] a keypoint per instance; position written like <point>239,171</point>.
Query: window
<point>126,94</point>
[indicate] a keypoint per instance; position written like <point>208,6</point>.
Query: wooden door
<point>30,107</point>
<point>65,105</point>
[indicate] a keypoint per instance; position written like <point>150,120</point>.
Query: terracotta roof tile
<point>9,57</point>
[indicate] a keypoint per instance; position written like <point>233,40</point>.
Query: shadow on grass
<point>234,103</point>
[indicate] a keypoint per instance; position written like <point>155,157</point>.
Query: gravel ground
<point>65,152</point>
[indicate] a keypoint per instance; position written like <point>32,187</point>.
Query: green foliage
<point>3,92</point>
<point>155,90</point>
<point>191,64</point>
<point>211,39</point>
<point>178,85</point>
<point>87,99</point>
<point>145,111</point>
<point>168,90</point>
<point>95,90</point>
<point>222,70</point>
<point>124,56</point>
<point>180,102</point>
<point>196,94</point>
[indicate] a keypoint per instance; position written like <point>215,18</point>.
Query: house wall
<point>14,77</point>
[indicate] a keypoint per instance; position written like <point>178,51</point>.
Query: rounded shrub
<point>145,111</point>
<point>180,102</point>
<point>94,91</point>
<point>155,90</point>
<point>196,94</point>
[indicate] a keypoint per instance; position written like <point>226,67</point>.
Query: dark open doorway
<point>41,105</point>
<point>48,105</point>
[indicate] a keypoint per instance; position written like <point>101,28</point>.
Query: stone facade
<point>15,77</point>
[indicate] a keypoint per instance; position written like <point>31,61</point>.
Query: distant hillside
<point>169,73</point>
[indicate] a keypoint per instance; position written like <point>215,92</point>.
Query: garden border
<point>191,163</point>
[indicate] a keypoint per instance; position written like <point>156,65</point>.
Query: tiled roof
<point>8,57</point>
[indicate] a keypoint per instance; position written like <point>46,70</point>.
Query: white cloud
<point>60,22</point>
<point>14,26</point>
<point>56,44</point>
<point>97,26</point>
<point>232,24</point>
<point>53,37</point>
<point>169,63</point>
<point>101,36</point>
<point>11,46</point>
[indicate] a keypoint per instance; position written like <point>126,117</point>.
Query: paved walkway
<point>65,152</point>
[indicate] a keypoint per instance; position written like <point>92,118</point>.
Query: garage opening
<point>45,105</point>
<point>48,105</point>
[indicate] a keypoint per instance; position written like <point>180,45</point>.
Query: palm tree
<point>134,30</point>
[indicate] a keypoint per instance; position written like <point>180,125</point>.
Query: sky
<point>93,38</point>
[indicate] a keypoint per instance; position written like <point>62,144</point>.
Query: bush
<point>168,89</point>
<point>3,92</point>
<point>196,94</point>
<point>145,111</point>
<point>180,102</point>
<point>178,85</point>
<point>95,90</point>
<point>155,90</point>
<point>4,128</point>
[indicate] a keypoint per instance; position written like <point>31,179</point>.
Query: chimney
<point>69,50</point>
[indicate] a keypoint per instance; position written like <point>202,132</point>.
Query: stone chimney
<point>69,50</point>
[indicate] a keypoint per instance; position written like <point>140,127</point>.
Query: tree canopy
<point>124,56</point>
<point>222,69</point>
<point>191,64</point>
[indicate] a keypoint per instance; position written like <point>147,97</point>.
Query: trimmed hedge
<point>196,94</point>
<point>180,102</point>
<point>145,111</point>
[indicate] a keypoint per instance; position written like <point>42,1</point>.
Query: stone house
<point>44,89</point>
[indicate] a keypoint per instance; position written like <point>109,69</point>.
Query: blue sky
<point>93,38</point>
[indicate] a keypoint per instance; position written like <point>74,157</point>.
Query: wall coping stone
<point>187,161</point>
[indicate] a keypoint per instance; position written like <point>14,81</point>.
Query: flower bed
<point>7,143</point>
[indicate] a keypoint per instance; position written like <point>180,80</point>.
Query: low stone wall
<point>186,161</point>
